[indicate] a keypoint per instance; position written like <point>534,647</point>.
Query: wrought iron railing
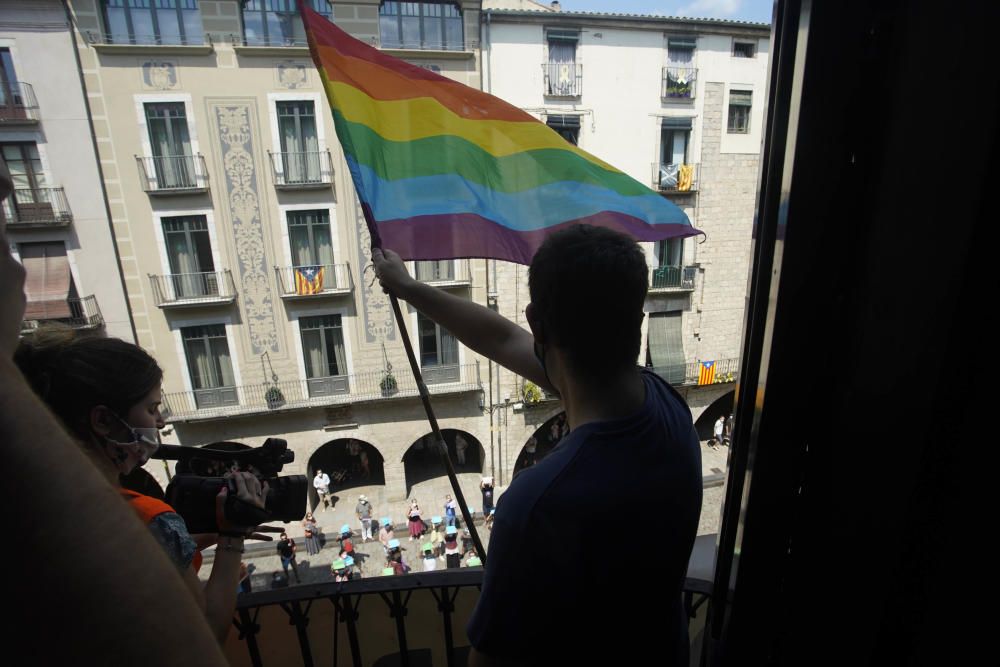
<point>673,278</point>
<point>726,370</point>
<point>675,177</point>
<point>314,280</point>
<point>193,288</point>
<point>168,174</point>
<point>412,619</point>
<point>301,169</point>
<point>679,83</point>
<point>425,45</point>
<point>445,271</point>
<point>83,313</point>
<point>37,207</point>
<point>147,39</point>
<point>563,79</point>
<point>17,102</point>
<point>298,394</point>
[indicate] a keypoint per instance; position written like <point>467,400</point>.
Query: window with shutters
<point>740,102</point>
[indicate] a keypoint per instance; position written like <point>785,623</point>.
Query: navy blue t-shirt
<point>589,548</point>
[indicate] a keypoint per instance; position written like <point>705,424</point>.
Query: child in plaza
<point>385,533</point>
<point>353,572</point>
<point>452,552</point>
<point>346,545</point>
<point>416,524</point>
<point>396,558</point>
<point>473,559</point>
<point>437,537</point>
<point>430,560</point>
<point>340,570</point>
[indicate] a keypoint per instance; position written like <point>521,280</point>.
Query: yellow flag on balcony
<point>308,280</point>
<point>685,177</point>
<point>706,372</point>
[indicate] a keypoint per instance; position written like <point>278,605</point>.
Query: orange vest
<point>148,509</point>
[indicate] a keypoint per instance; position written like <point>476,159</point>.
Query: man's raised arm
<point>478,327</point>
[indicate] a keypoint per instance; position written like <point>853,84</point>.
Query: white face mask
<point>145,442</point>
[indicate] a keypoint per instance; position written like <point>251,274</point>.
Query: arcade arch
<point>421,462</point>
<point>350,463</point>
<point>541,442</point>
<point>720,407</point>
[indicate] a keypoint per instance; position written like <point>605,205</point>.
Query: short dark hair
<point>73,373</point>
<point>588,285</point>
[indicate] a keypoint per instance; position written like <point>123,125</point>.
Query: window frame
<point>152,9</point>
<point>746,109</point>
<point>206,340</point>
<point>443,18</point>
<point>752,46</point>
<point>302,329</point>
<point>324,211</point>
<point>321,7</point>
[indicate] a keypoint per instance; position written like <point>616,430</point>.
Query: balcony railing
<point>294,40</point>
<point>563,79</point>
<point>146,39</point>
<point>675,178</point>
<point>726,370</point>
<point>308,393</point>
<point>37,207</point>
<point>296,282</point>
<point>17,103</point>
<point>173,174</point>
<point>676,278</point>
<point>303,169</point>
<point>443,272</point>
<point>413,619</point>
<point>193,289</point>
<point>83,313</point>
<point>679,83</point>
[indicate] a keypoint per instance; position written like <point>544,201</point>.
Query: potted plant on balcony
<point>388,384</point>
<point>274,398</point>
<point>531,393</point>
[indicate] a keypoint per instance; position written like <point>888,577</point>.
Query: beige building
<point>244,253</point>
<point>57,220</point>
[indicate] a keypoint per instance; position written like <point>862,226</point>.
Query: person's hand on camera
<point>250,490</point>
<point>391,271</point>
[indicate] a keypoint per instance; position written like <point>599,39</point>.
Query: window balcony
<point>125,43</point>
<point>679,83</point>
<point>82,313</point>
<point>173,174</point>
<point>303,170</point>
<point>17,103</point>
<point>678,179</point>
<point>180,290</point>
<point>672,279</point>
<point>186,406</point>
<point>312,282</point>
<point>562,79</point>
<point>42,208</point>
<point>413,619</point>
<point>443,273</point>
<point>688,375</point>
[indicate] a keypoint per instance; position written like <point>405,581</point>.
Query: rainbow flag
<point>308,280</point>
<point>706,372</point>
<point>446,171</point>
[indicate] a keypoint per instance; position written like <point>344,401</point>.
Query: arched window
<point>147,22</point>
<point>421,25</point>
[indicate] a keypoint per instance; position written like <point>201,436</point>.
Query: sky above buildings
<point>741,10</point>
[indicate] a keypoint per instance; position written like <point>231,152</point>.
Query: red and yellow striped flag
<point>706,372</point>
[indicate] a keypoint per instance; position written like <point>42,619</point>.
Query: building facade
<point>57,220</point>
<point>245,256</point>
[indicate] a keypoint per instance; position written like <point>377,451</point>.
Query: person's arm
<point>478,327</point>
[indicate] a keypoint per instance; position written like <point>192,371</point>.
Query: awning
<point>47,280</point>
<point>676,123</point>
<point>572,122</point>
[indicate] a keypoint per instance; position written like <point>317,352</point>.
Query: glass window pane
<point>454,33</point>
<point>142,22</point>
<point>334,344</point>
<point>427,332</point>
<point>168,22</point>
<point>115,23</point>
<point>312,350</point>
<point>433,28</point>
<point>410,19</point>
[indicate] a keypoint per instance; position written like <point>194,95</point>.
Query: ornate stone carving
<point>292,75</point>
<point>233,123</point>
<point>379,322</point>
<point>159,75</point>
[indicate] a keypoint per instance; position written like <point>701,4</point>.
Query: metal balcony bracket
<point>446,605</point>
<point>398,611</point>
<point>300,619</point>
<point>248,628</point>
<point>346,611</point>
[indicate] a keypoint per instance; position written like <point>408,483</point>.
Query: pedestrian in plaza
<point>630,432</point>
<point>385,533</point>
<point>467,543</point>
<point>353,571</point>
<point>437,537</point>
<point>279,580</point>
<point>472,559</point>
<point>720,425</point>
<point>364,510</point>
<point>340,570</point>
<point>416,524</point>
<point>727,433</point>
<point>346,544</point>
<point>311,530</point>
<point>286,549</point>
<point>450,511</point>
<point>365,467</point>
<point>488,521</point>
<point>486,487</point>
<point>321,482</point>
<point>430,560</point>
<point>396,561</point>
<point>452,551</point>
<point>460,446</point>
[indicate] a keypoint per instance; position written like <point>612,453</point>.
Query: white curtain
<point>666,346</point>
<point>449,348</point>
<point>312,347</point>
<point>336,339</point>
<point>220,349</point>
<point>562,67</point>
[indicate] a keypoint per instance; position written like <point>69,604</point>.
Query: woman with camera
<point>106,392</point>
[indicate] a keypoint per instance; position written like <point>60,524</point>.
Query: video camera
<point>200,477</point>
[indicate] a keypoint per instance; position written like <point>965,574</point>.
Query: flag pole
<point>426,399</point>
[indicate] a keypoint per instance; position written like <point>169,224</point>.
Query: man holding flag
<point>631,434</point>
